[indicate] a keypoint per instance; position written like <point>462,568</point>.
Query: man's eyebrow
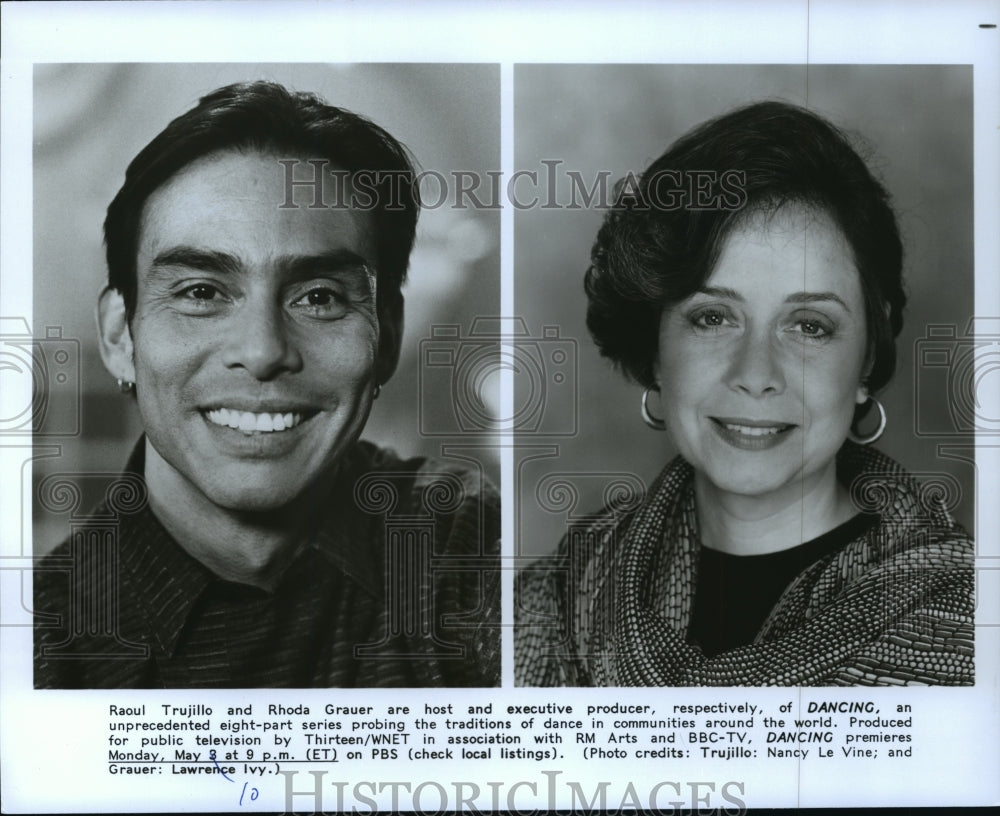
<point>204,260</point>
<point>795,297</point>
<point>336,260</point>
<point>210,260</point>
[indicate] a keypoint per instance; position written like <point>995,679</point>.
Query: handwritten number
<point>254,793</point>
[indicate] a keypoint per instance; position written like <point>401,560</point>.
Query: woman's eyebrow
<point>721,292</point>
<point>817,297</point>
<point>795,297</point>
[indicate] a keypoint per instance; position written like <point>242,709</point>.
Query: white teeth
<point>751,430</point>
<point>249,422</point>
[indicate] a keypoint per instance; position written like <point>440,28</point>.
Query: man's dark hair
<point>265,116</point>
<point>648,255</point>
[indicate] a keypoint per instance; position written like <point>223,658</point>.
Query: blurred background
<point>91,119</point>
<point>913,124</point>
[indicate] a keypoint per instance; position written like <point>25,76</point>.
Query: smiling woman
<point>773,550</point>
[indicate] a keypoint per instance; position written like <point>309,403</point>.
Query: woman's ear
<point>114,335</point>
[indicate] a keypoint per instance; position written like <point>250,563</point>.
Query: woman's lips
<point>751,434</point>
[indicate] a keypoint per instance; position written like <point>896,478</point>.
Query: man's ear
<point>114,335</point>
<point>390,338</point>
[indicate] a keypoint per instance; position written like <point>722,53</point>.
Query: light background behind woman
<point>912,125</point>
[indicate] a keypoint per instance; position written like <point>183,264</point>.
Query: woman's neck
<point>757,525</point>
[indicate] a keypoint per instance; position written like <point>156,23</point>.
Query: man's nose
<point>262,341</point>
<point>755,368</point>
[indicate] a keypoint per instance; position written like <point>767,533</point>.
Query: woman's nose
<point>261,341</point>
<point>755,368</point>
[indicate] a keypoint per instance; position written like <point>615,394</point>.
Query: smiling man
<point>254,325</point>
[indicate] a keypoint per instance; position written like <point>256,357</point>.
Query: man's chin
<point>247,499</point>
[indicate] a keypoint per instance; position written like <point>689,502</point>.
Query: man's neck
<point>747,525</point>
<point>244,547</point>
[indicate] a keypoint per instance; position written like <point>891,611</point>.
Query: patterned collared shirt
<point>396,586</point>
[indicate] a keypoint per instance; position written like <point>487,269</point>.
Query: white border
<point>37,749</point>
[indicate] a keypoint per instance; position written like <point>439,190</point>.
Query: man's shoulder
<point>442,482</point>
<point>64,567</point>
<point>455,496</point>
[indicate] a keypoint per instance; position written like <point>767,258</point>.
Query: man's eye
<point>201,291</point>
<point>321,297</point>
<point>323,301</point>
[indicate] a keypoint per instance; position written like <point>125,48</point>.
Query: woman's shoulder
<point>906,504</point>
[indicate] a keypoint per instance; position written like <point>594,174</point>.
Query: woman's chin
<point>778,478</point>
<point>751,476</point>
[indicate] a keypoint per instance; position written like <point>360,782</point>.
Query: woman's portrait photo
<point>780,247</point>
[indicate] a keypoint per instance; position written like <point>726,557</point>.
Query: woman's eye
<point>710,319</point>
<point>813,328</point>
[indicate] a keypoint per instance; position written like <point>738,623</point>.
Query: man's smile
<point>248,422</point>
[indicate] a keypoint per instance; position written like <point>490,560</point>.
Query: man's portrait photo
<point>244,497</point>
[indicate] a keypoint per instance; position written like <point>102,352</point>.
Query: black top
<point>736,593</point>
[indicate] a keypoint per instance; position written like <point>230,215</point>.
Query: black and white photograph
<point>499,407</point>
<point>786,282</point>
<point>250,322</point>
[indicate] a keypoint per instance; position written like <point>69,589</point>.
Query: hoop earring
<point>125,386</point>
<point>874,437</point>
<point>653,422</point>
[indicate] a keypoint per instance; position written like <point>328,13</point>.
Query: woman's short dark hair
<point>265,116</point>
<point>662,238</point>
